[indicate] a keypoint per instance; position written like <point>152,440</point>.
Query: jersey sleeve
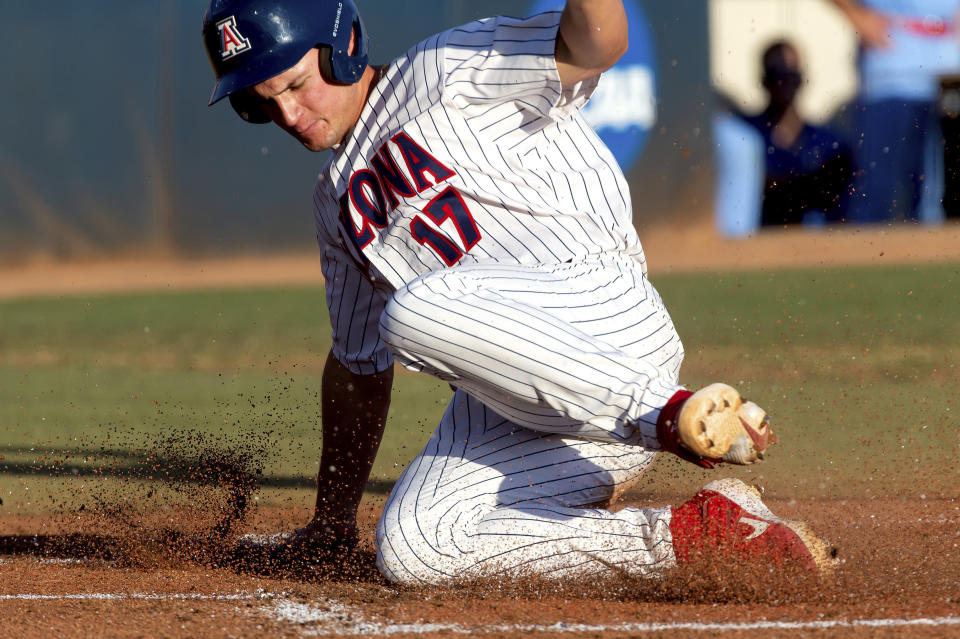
<point>503,73</point>
<point>354,302</point>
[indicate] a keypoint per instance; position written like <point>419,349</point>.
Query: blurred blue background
<point>107,147</point>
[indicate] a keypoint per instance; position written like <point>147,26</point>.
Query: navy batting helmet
<point>249,41</point>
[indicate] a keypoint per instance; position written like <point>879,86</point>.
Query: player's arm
<point>591,38</point>
<point>354,415</point>
<point>871,26</point>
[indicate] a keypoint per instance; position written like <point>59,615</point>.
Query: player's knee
<point>389,563</point>
<point>403,319</point>
<point>397,559</point>
<point>394,322</point>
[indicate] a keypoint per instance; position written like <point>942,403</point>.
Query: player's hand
<point>321,539</point>
<point>716,422</point>
<point>670,441</point>
<point>668,432</point>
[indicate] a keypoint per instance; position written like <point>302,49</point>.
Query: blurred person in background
<point>950,125</point>
<point>774,167</point>
<point>906,47</point>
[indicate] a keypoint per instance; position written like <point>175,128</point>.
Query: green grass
<point>858,367</point>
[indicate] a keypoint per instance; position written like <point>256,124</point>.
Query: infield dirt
<point>900,561</point>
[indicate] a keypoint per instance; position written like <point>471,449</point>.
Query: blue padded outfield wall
<point>107,145</point>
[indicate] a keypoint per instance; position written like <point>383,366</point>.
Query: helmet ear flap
<point>346,66</point>
<point>249,107</point>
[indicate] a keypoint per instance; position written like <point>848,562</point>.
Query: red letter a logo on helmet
<point>232,41</point>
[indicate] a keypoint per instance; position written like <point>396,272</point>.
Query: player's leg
<point>585,349</point>
<point>488,497</point>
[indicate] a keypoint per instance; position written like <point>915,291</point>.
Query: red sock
<point>669,435</point>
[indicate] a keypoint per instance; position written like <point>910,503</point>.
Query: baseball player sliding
<point>473,227</point>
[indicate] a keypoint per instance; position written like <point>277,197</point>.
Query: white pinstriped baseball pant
<point>561,372</point>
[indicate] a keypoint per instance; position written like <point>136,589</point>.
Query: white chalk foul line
<point>336,618</point>
<point>148,596</point>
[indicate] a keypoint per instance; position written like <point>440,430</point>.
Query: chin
<point>317,147</point>
<point>315,144</point>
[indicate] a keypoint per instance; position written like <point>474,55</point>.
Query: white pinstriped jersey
<point>469,150</point>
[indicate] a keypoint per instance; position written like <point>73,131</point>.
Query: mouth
<point>302,132</point>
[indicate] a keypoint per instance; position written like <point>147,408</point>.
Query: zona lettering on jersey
<point>373,192</point>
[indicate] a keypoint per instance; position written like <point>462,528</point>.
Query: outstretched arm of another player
<point>591,38</point>
<point>871,26</point>
<point>354,415</point>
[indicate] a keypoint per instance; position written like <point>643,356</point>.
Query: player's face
<point>302,103</point>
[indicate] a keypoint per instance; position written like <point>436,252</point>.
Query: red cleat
<point>727,516</point>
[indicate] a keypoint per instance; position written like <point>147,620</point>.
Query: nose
<point>286,110</point>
